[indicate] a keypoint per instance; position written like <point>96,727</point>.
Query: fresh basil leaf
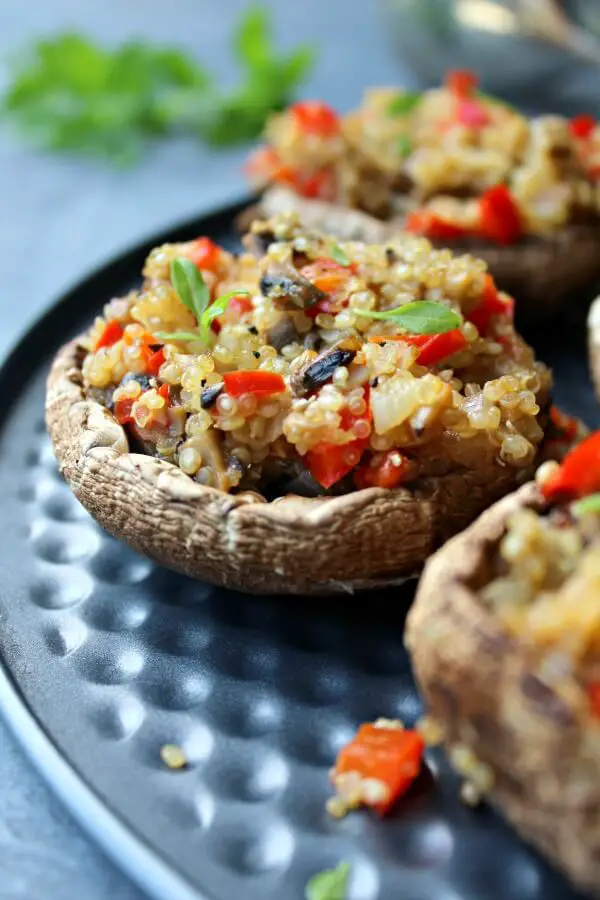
<point>177,335</point>
<point>404,146</point>
<point>332,884</point>
<point>403,104</point>
<point>191,288</point>
<point>340,256</point>
<point>589,504</point>
<point>219,306</point>
<point>420,317</point>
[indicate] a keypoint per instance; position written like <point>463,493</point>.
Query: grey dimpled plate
<point>108,657</point>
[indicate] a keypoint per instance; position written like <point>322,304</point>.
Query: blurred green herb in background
<point>72,95</point>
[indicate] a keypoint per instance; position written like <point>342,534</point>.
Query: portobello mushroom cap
<point>485,688</point>
<point>292,545</point>
<point>593,323</point>
<point>542,273</point>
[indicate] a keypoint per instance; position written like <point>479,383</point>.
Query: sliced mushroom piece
<point>315,371</point>
<point>283,333</point>
<point>210,446</point>
<point>289,289</point>
<point>486,688</point>
<point>209,395</point>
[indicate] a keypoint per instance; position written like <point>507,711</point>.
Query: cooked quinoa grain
<point>298,374</point>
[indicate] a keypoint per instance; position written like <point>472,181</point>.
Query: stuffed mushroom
<point>505,638</point>
<point>461,168</point>
<point>312,417</point>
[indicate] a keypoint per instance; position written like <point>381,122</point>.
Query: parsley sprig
<point>419,317</point>
<point>72,95</point>
<point>195,294</point>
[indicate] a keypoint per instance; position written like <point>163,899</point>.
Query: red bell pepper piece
<point>472,114</point>
<point>391,469</point>
<point>567,425</point>
<point>258,382</point>
<point>499,216</point>
<point>429,224</point>
<point>112,333</point>
<point>434,347</point>
<point>461,82</point>
<point>155,362</point>
<point>582,126</point>
<point>593,692</point>
<point>321,185</point>
<point>392,756</point>
<point>328,463</point>
<point>578,474</point>
<point>164,391</point>
<point>122,410</point>
<point>205,254</point>
<point>492,304</point>
<point>330,277</point>
<point>315,117</point>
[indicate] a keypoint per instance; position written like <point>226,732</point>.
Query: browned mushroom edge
<point>593,323</point>
<point>293,545</point>
<point>542,273</point>
<point>484,687</point>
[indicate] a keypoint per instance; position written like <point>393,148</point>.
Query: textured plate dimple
<point>117,657</point>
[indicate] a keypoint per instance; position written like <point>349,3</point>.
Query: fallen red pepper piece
<point>392,756</point>
<point>112,333</point>
<point>391,470</point>
<point>433,347</point>
<point>258,382</point>
<point>500,219</point>
<point>205,254</point>
<point>155,362</point>
<point>462,82</point>
<point>492,304</point>
<point>429,224</point>
<point>315,117</point>
<point>582,126</point>
<point>579,473</point>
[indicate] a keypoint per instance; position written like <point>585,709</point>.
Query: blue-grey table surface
<point>61,218</point>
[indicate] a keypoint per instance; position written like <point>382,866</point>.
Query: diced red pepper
<point>205,254</point>
<point>582,126</point>
<point>593,692</point>
<point>315,117</point>
<point>112,333</point>
<point>472,114</point>
<point>237,307</point>
<point>578,474</point>
<point>433,347</point>
<point>122,410</point>
<point>263,165</point>
<point>429,224</point>
<point>164,391</point>
<point>392,756</point>
<point>461,82</point>
<point>328,463</point>
<point>492,304</point>
<point>321,185</point>
<point>330,277</point>
<point>258,382</point>
<point>390,470</point>
<point>499,216</point>
<point>155,362</point>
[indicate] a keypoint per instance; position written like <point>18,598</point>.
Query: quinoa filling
<point>454,162</point>
<point>307,366</point>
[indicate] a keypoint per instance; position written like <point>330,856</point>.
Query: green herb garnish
<point>193,292</point>
<point>340,256</point>
<point>404,146</point>
<point>403,104</point>
<point>72,95</point>
<point>332,884</point>
<point>420,317</point>
<point>589,504</point>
